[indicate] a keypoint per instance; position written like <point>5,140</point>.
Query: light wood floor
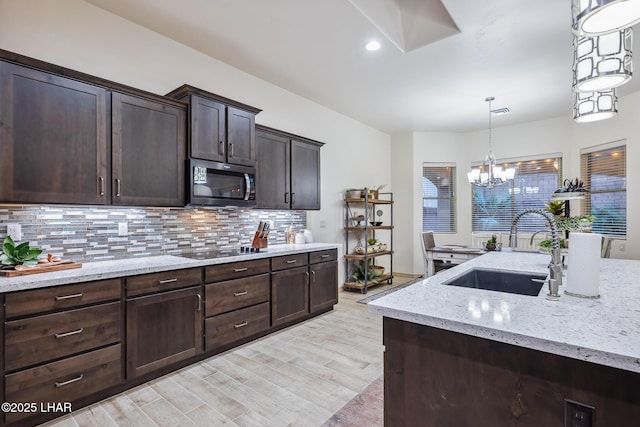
<point>299,376</point>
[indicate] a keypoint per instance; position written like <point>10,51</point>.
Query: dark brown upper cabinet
<point>149,152</point>
<point>53,138</point>
<point>69,137</point>
<point>220,129</point>
<point>288,172</point>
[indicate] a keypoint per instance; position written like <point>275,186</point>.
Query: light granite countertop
<point>604,331</point>
<point>133,266</point>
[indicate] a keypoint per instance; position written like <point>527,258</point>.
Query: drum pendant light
<point>602,62</point>
<point>594,106</point>
<point>596,17</point>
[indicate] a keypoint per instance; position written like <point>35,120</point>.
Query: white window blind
<point>438,197</point>
<point>603,170</point>
<point>535,181</point>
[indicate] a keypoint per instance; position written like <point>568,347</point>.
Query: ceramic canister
<point>308,236</point>
<point>299,238</point>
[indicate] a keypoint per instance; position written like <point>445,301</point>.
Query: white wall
<point>80,36</point>
<point>558,135</point>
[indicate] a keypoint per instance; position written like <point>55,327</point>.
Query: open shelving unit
<point>364,229</point>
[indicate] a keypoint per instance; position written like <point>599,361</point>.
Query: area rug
<point>387,291</point>
<point>364,410</point>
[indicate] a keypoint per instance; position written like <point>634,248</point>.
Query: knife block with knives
<point>260,238</point>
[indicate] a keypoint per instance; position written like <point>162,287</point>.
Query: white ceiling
<point>438,62</point>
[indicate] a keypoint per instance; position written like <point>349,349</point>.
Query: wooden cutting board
<point>42,268</point>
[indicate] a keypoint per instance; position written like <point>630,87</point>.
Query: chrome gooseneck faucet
<point>555,266</point>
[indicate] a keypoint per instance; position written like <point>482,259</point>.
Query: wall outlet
<point>323,224</point>
<point>577,414</point>
<point>123,229</point>
<point>622,247</point>
<point>14,231</point>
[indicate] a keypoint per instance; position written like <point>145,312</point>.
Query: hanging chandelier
<point>489,175</point>
<point>596,17</point>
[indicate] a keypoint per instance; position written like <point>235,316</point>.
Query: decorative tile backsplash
<point>90,233</point>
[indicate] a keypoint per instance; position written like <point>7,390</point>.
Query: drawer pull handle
<point>58,298</point>
<point>74,380</point>
<point>68,334</point>
<point>292,261</point>
<point>118,185</point>
<point>102,186</point>
<point>307,276</point>
<point>240,270</point>
<point>199,303</point>
<point>313,276</point>
<point>239,294</point>
<point>325,256</point>
<point>240,325</point>
<point>162,282</point>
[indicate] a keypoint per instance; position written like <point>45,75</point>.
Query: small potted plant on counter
<point>491,244</point>
<point>22,254</point>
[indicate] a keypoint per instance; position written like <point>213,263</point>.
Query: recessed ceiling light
<point>372,46</point>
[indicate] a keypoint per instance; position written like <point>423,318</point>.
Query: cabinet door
<point>323,290</point>
<point>272,174</point>
<point>241,137</point>
<point>305,175</point>
<point>163,329</point>
<point>149,152</point>
<point>53,138</point>
<point>208,129</point>
<point>289,295</point>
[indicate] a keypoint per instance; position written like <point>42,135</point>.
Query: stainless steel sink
<point>500,281</point>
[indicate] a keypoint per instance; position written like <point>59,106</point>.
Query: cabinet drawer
<point>43,338</point>
<point>451,257</point>
<point>234,270</point>
<point>234,294</point>
<point>65,380</point>
<point>68,296</point>
<point>323,256</point>
<point>158,282</point>
<point>227,328</point>
<point>289,261</point>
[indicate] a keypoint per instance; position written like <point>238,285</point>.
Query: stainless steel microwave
<point>221,184</point>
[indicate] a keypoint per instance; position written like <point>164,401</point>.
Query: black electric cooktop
<point>222,253</point>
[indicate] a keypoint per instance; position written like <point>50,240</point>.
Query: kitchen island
<point>457,356</point>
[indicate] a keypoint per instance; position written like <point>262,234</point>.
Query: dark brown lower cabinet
<point>163,329</point>
<point>439,378</point>
<point>323,287</point>
<point>289,295</point>
<point>64,343</point>
<point>66,380</point>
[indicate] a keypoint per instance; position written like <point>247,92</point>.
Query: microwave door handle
<point>247,183</point>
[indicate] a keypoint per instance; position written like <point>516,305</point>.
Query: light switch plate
<point>14,231</point>
<point>123,229</point>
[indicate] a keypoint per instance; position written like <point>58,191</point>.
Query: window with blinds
<point>603,170</point>
<point>438,197</point>
<point>535,181</point>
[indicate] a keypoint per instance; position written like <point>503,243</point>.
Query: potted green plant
<point>359,272</point>
<point>13,255</point>
<point>491,243</point>
<point>555,207</point>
